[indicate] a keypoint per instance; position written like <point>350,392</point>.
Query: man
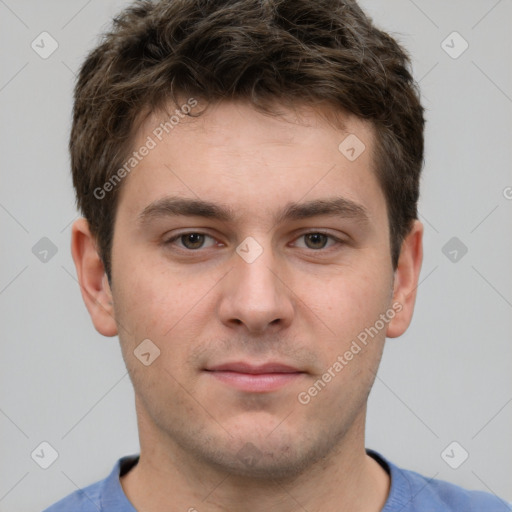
<point>248,172</point>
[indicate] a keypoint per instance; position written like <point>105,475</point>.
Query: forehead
<point>235,155</point>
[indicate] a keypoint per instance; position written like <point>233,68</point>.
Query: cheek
<point>165,306</point>
<point>353,300</point>
<point>350,354</point>
<point>149,299</point>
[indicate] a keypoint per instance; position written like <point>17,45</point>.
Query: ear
<point>406,280</point>
<point>92,279</point>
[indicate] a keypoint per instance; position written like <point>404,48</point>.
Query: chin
<point>269,457</point>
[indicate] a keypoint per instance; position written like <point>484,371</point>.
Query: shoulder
<point>430,492</point>
<point>413,492</point>
<point>82,500</point>
<point>104,495</point>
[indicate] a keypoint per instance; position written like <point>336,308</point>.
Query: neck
<point>348,479</point>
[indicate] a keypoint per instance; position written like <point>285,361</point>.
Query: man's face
<point>256,287</point>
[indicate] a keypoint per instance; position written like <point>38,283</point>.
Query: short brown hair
<point>259,51</point>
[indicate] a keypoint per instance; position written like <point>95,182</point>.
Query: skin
<point>298,303</point>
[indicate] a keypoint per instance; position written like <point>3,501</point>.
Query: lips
<point>251,378</point>
<point>241,367</point>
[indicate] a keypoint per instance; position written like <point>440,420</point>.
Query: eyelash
<point>323,249</point>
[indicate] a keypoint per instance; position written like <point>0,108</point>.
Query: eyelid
<point>176,237</point>
<point>337,240</point>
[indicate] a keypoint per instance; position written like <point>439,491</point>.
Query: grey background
<point>447,379</point>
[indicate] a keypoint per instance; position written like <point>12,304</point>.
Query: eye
<point>193,241</point>
<point>190,241</point>
<point>318,240</point>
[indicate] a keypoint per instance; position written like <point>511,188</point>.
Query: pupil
<point>317,238</point>
<point>195,239</point>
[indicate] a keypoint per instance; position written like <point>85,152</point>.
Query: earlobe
<point>406,280</point>
<point>93,281</point>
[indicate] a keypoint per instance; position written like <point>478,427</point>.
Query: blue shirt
<point>409,492</point>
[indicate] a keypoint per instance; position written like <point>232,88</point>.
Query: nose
<point>255,294</point>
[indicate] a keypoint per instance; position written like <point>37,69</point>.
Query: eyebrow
<point>331,206</point>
